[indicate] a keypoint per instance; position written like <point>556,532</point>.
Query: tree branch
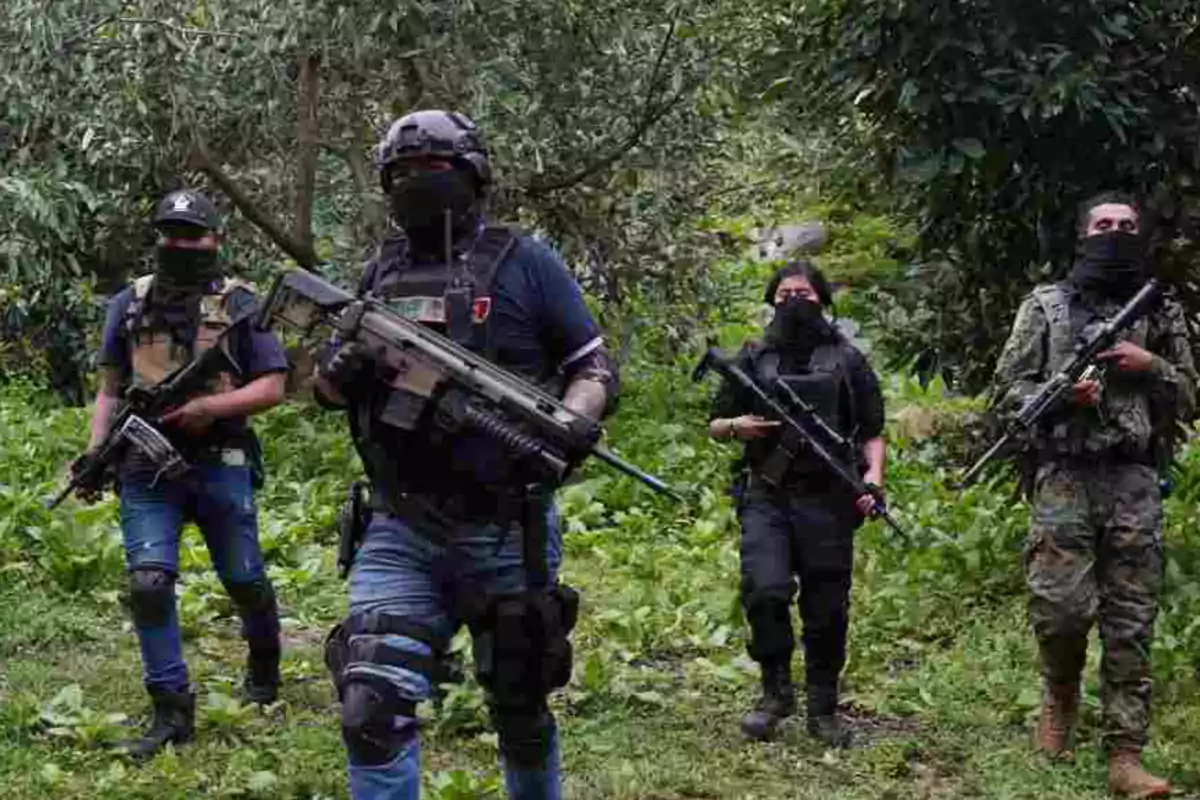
<point>650,116</point>
<point>307,145</point>
<point>304,255</point>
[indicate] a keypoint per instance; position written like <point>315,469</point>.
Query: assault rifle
<point>433,378</point>
<point>810,428</point>
<point>136,425</point>
<point>1081,366</point>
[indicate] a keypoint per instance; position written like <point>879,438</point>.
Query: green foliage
<point>989,121</point>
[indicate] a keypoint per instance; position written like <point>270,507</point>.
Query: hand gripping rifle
<point>136,425</point>
<point>811,421</point>
<point>433,377</point>
<point>1082,366</point>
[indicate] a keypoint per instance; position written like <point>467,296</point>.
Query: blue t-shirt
<point>540,327</point>
<point>255,353</point>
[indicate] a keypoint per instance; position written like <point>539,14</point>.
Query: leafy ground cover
<point>941,685</point>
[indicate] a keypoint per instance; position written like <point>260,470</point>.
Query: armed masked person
<point>459,531</point>
<point>1095,545</point>
<point>186,307</point>
<point>798,518</point>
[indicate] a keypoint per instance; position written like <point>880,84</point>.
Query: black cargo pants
<point>804,532</point>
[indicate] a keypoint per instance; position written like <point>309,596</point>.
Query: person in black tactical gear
<point>458,531</point>
<point>798,519</point>
<point>159,324</point>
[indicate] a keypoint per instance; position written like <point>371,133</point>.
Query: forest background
<point>943,145</point>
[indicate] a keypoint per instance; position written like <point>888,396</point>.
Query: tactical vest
<point>155,352</point>
<point>825,385</point>
<point>455,299</point>
<point>1124,420</point>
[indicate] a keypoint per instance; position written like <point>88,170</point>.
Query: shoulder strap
<point>1056,306</point>
<point>496,243</point>
<point>832,359</point>
<point>392,253</point>
<point>136,310</point>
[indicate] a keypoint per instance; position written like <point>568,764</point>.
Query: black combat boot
<point>262,676</point>
<point>778,701</point>
<point>174,721</point>
<point>823,723</point>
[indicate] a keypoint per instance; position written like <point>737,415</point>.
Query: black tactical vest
<point>457,300</point>
<point>825,385</point>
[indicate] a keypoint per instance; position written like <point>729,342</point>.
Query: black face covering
<point>186,270</point>
<point>1111,265</point>
<point>798,325</point>
<point>420,202</point>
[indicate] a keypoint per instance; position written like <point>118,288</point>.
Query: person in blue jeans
<point>161,322</point>
<point>459,532</point>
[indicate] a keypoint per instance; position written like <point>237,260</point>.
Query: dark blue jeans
<point>220,500</point>
<point>399,571</point>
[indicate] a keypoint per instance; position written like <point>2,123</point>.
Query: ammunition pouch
<point>522,649</point>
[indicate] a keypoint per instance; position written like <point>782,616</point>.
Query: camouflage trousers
<point>1095,554</point>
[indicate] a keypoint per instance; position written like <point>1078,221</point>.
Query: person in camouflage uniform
<point>1095,546</point>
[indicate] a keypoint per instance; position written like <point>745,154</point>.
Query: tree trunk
<point>307,145</point>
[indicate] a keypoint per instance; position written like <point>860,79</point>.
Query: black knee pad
<point>369,726</point>
<point>769,616</point>
<point>522,649</point>
<point>253,597</point>
<point>151,596</point>
<point>256,599</point>
<point>526,732</point>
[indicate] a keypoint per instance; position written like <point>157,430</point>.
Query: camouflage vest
<point>155,352</point>
<point>1122,422</point>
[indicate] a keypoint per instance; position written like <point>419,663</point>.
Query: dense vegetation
<point>943,145</point>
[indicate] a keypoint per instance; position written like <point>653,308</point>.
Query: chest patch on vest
<point>420,309</point>
<point>481,309</point>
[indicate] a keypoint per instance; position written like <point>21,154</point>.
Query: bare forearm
<point>259,395</point>
<point>873,452</point>
<point>106,406</point>
<point>108,398</point>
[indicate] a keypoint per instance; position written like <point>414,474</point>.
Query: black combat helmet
<point>447,134</point>
<point>186,207</point>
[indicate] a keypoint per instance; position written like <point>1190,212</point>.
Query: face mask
<point>798,323</point>
<point>184,270</point>
<point>1111,264</point>
<point>419,204</point>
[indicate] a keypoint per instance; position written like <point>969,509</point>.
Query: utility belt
<point>448,511</point>
<point>432,515</point>
<point>245,451</point>
<point>1116,454</point>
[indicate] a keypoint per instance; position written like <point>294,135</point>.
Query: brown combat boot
<point>1056,727</point>
<point>1127,777</point>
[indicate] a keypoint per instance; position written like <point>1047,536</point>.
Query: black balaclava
<point>181,277</point>
<point>798,327</point>
<point>420,202</point>
<point>186,271</point>
<point>1111,265</point>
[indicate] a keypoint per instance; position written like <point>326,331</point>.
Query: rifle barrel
<point>619,463</point>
